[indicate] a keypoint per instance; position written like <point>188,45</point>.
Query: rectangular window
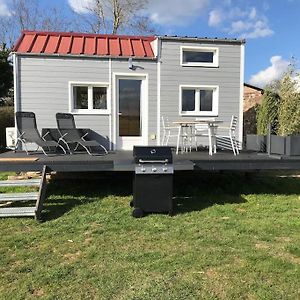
<point>188,100</point>
<point>199,100</point>
<point>206,100</point>
<point>89,98</point>
<point>99,98</point>
<point>80,97</point>
<point>200,56</point>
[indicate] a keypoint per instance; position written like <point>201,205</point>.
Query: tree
<point>115,16</point>
<point>289,111</point>
<point>29,15</point>
<point>6,77</point>
<point>268,113</point>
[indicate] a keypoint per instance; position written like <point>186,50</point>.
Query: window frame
<point>198,112</point>
<point>90,110</point>
<point>214,64</point>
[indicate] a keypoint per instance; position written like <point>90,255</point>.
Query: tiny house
<point>121,86</point>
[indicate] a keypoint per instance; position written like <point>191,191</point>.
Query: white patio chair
<point>168,131</point>
<point>231,134</point>
<point>201,130</point>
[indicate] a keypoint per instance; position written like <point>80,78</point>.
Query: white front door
<point>131,109</point>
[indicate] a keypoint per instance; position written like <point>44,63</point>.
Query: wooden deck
<point>123,161</point>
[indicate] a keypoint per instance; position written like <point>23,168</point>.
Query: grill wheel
<point>137,213</point>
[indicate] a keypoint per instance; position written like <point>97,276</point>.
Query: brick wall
<point>252,97</point>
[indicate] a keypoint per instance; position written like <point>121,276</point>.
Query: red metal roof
<point>69,43</point>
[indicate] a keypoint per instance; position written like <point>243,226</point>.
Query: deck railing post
<point>269,139</point>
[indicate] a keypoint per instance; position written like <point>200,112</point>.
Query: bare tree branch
<point>115,16</point>
<point>28,15</point>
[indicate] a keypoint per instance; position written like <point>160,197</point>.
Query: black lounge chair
<point>71,135</point>
<point>28,133</point>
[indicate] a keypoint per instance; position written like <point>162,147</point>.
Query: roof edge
<point>57,55</point>
<point>202,39</point>
<point>253,86</point>
<point>74,34</point>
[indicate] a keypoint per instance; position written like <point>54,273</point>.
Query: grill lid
<point>155,153</point>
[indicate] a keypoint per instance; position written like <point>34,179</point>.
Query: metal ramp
<point>11,198</point>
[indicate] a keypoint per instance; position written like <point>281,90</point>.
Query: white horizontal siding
<point>226,76</point>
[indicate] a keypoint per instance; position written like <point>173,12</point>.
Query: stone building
<point>252,98</point>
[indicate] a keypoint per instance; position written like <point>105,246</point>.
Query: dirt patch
<point>72,256</point>
<point>262,245</point>
<point>284,239</point>
<point>38,292</point>
<point>212,273</point>
<point>288,257</point>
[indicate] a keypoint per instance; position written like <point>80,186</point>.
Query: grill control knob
<point>143,169</point>
<point>165,169</point>
<point>154,170</point>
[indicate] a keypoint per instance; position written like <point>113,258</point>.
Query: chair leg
<point>163,138</point>
<point>62,148</point>
<point>232,144</point>
<point>236,146</point>
<point>190,138</point>
<point>196,143</point>
<point>86,148</point>
<point>168,137</point>
<point>101,146</point>
<point>44,151</point>
<point>68,148</point>
<point>25,147</point>
<point>210,150</point>
<point>178,139</point>
<point>214,144</point>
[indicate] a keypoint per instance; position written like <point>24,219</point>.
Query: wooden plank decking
<point>123,161</point>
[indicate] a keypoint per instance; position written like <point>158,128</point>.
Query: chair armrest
<point>84,136</point>
<point>62,137</point>
<point>21,135</point>
<point>43,137</point>
<point>223,127</point>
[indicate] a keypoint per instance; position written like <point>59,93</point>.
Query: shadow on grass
<point>65,194</point>
<point>192,192</point>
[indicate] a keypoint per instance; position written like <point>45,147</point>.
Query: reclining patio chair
<point>71,135</point>
<point>28,133</point>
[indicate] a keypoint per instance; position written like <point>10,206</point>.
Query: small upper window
<point>199,56</point>
<point>89,98</point>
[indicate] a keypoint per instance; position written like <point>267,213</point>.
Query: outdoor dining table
<point>189,126</point>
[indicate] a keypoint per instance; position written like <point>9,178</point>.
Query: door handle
<point>120,114</point>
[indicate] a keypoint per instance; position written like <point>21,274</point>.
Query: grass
<point>232,238</point>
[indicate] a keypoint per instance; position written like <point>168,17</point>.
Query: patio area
<point>122,161</point>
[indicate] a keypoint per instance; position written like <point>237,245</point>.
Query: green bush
<point>6,120</point>
<point>289,110</point>
<point>268,113</point>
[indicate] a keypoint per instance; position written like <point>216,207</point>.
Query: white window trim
<point>90,98</point>
<point>197,113</point>
<point>144,108</point>
<point>214,64</point>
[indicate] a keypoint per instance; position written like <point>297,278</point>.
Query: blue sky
<point>270,27</point>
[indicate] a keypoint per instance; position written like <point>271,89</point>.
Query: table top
<point>194,122</point>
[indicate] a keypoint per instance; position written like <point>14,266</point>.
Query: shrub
<point>268,113</point>
<point>289,110</point>
<point>6,120</point>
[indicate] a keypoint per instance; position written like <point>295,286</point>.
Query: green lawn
<point>232,238</point>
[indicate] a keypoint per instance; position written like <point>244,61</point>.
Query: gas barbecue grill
<point>153,181</point>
